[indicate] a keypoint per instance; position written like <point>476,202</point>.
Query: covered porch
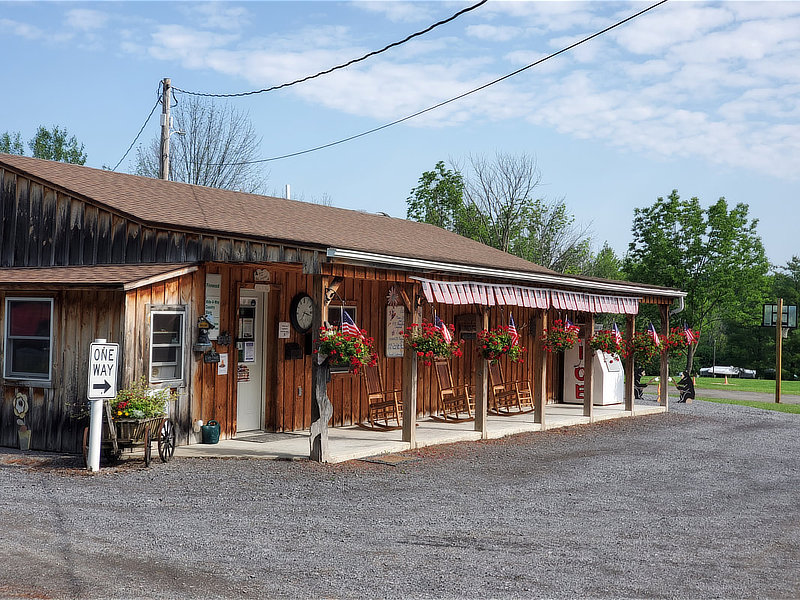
<point>353,442</point>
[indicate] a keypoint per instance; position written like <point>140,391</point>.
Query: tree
<point>606,264</point>
<point>11,144</point>
<point>714,254</point>
<point>551,238</point>
<point>57,144</point>
<point>495,204</point>
<point>217,148</point>
<point>50,144</point>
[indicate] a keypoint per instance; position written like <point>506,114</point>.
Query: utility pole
<point>779,351</point>
<point>166,100</point>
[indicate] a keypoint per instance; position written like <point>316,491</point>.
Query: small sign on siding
<point>395,326</point>
<point>213,295</point>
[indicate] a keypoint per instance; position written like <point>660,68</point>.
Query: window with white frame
<point>28,338</point>
<point>335,315</point>
<point>166,344</point>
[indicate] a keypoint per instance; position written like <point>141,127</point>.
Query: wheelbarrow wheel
<point>85,447</point>
<point>166,441</point>
<point>148,451</point>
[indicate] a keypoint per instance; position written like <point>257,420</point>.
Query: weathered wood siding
<point>41,226</point>
<point>79,317</point>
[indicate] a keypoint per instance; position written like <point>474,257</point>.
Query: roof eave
<point>402,262</point>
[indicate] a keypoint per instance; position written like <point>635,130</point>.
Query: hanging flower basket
<point>676,342</point>
<point>429,343</point>
<point>560,336</point>
<point>497,342</point>
<point>643,347</point>
<point>606,341</point>
<point>345,349</point>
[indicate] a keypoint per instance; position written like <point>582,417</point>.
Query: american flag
<point>445,331</point>
<point>569,323</point>
<point>512,329</point>
<point>690,336</point>
<point>617,335</point>
<point>348,326</point>
<point>653,334</point>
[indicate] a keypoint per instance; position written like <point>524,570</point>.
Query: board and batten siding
<point>54,417</point>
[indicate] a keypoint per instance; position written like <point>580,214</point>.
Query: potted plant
<point>429,342</point>
<point>606,341</point>
<point>643,347</point>
<point>137,403</point>
<point>494,343</point>
<point>560,336</point>
<point>346,349</point>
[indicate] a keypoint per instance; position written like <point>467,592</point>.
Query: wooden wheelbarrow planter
<point>127,434</point>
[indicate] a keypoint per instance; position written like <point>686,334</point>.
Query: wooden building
<point>87,254</point>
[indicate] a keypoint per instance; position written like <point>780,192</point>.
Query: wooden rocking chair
<point>456,404</point>
<point>384,406</point>
<point>508,397</point>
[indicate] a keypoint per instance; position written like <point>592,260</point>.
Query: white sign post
<point>103,361</point>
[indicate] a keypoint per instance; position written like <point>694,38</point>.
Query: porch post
<point>539,368</point>
<point>630,327</point>
<point>664,398</point>
<point>409,385</point>
<point>481,388</point>
<point>588,367</point>
<point>321,408</point>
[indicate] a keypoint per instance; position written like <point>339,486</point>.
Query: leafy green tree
<point>57,144</point>
<point>606,264</point>
<point>11,144</point>
<point>714,254</point>
<point>787,286</point>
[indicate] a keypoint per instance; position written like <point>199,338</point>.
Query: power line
<point>459,97</point>
<point>147,120</point>
<point>337,67</point>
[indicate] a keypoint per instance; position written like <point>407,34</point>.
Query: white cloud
<point>493,33</point>
<point>218,15</point>
<point>85,20</point>
<point>398,11</point>
<point>24,30</point>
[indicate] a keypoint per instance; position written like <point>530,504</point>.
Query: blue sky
<point>702,97</point>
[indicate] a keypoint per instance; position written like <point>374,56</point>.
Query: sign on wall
<point>213,295</point>
<point>395,325</point>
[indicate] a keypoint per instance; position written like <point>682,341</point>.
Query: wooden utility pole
<point>778,351</point>
<point>166,99</point>
<point>481,384</point>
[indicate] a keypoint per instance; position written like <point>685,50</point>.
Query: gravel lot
<point>699,503</point>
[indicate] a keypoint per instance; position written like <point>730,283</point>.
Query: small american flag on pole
<point>690,336</point>
<point>443,329</point>
<point>654,334</point>
<point>348,326</point>
<point>512,329</point>
<point>617,335</point>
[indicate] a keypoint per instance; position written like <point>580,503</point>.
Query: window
<point>166,345</point>
<point>335,315</point>
<point>29,338</point>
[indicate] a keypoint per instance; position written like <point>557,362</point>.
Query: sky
<point>702,97</point>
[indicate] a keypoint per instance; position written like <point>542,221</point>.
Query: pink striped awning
<point>487,294</point>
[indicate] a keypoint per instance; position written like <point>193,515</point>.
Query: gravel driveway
<point>699,503</point>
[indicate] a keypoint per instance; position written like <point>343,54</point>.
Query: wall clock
<point>301,312</point>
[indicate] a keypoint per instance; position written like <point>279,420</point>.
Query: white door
<point>251,360</point>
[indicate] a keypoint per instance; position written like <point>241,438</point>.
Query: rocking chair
<point>384,406</point>
<point>456,404</point>
<point>508,397</point>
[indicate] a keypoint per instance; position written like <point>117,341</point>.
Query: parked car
<point>720,371</point>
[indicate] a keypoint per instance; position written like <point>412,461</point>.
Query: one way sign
<point>103,359</point>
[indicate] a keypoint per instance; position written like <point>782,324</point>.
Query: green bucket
<point>210,432</point>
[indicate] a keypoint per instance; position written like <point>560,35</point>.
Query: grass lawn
<point>766,386</point>
<point>787,408</point>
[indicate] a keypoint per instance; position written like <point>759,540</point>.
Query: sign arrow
<point>105,386</point>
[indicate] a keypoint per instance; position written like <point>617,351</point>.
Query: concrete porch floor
<point>353,442</point>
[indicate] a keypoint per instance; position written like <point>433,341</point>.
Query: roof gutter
<point>541,278</point>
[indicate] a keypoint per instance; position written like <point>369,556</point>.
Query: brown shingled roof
<point>179,205</point>
<point>105,276</point>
